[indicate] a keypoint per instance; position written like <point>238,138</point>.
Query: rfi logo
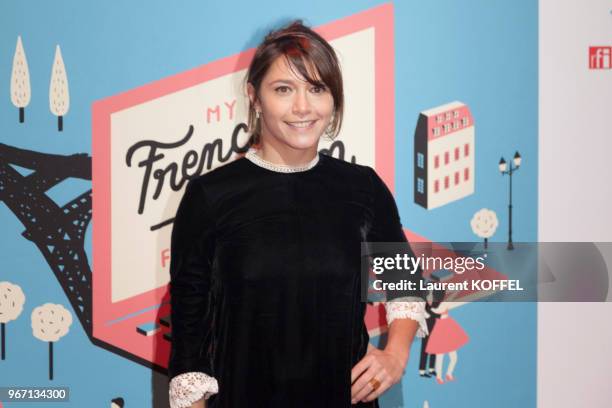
<point>600,57</point>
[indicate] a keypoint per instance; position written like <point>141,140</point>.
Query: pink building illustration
<point>443,155</point>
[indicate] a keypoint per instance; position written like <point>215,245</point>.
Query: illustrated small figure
<point>446,338</point>
<point>425,369</point>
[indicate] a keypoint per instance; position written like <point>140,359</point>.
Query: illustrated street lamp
<point>503,168</point>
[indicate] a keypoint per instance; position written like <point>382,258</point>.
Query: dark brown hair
<point>302,48</point>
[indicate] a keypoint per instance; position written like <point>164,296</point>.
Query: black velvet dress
<point>265,280</point>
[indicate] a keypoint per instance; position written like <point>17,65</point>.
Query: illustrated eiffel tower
<point>58,232</point>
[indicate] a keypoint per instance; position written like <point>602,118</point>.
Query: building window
<point>456,124</point>
<point>439,118</point>
<point>420,185</point>
<point>448,116</point>
<point>436,161</point>
<point>446,157</point>
<point>436,186</point>
<point>466,173</point>
<point>456,114</point>
<point>446,182</point>
<point>456,177</point>
<point>465,121</point>
<point>447,128</point>
<point>466,149</point>
<point>436,131</point>
<point>421,160</point>
<point>456,153</point>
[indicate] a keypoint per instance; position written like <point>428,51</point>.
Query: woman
<point>265,263</point>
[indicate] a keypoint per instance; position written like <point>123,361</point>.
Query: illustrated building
<point>443,155</point>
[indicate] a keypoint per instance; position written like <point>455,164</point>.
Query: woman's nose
<point>301,104</point>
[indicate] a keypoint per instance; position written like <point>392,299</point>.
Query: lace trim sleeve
<point>402,308</point>
<point>187,388</point>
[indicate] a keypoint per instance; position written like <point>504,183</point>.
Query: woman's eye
<point>282,89</point>
<point>318,89</point>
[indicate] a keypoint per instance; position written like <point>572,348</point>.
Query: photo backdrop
<point>436,93</point>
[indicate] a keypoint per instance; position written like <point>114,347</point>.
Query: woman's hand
<point>385,366</point>
<point>201,403</point>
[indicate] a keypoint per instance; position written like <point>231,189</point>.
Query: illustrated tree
<point>11,306</point>
<point>59,98</point>
<point>484,224</point>
<point>20,80</point>
<point>50,322</point>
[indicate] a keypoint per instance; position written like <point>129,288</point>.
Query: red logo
<point>600,57</point>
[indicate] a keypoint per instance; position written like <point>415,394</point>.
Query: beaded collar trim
<point>281,168</point>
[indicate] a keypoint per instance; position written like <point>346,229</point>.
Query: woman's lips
<point>302,126</point>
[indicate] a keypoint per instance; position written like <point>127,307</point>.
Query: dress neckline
<point>254,158</point>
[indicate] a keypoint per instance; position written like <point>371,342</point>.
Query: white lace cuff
<point>187,388</point>
<point>403,308</point>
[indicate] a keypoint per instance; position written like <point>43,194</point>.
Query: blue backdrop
<point>481,52</point>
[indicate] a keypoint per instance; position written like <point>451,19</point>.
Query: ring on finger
<point>374,383</point>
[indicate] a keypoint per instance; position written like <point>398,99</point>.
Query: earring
<point>329,129</point>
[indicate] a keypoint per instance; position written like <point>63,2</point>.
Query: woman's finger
<point>360,367</point>
<point>384,386</point>
<point>362,379</point>
<point>362,387</point>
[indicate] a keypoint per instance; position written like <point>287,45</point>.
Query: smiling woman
<point>295,92</point>
<point>266,254</point>
<point>294,112</point>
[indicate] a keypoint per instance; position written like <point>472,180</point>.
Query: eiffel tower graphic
<point>58,232</point>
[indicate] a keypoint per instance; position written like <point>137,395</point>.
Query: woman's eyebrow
<point>289,81</point>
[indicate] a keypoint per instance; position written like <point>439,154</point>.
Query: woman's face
<point>294,113</point>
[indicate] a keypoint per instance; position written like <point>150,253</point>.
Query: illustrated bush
<point>50,322</point>
<point>12,300</point>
